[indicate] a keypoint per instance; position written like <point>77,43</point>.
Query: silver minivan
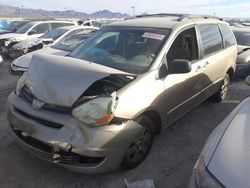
<point>101,106</point>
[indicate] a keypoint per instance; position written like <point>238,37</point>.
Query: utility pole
<point>133,8</point>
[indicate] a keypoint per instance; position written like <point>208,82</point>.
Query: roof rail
<point>180,17</point>
<point>192,16</point>
<point>155,15</point>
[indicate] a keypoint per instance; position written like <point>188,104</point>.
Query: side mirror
<point>247,80</point>
<point>179,66</point>
<point>32,32</point>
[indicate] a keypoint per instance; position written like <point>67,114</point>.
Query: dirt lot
<point>169,163</point>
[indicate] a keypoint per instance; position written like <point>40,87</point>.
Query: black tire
<point>221,94</point>
<point>139,149</point>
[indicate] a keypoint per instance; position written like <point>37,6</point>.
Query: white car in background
<point>45,40</point>
<point>62,48</point>
<point>100,22</point>
<point>29,31</point>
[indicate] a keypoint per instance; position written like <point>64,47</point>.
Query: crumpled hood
<point>28,43</point>
<point>24,61</point>
<point>12,35</point>
<point>230,162</point>
<point>62,80</point>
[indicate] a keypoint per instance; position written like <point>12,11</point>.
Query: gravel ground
<point>169,163</point>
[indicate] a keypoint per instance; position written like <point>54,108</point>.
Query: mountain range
<point>11,11</point>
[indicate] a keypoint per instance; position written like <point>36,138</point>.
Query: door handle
<point>206,64</point>
<point>198,68</point>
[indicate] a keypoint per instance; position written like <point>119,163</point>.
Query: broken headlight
<point>98,111</point>
<point>7,43</point>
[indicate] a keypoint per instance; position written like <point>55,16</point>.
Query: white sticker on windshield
<point>153,36</point>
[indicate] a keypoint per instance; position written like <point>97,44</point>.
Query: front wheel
<point>223,91</point>
<point>140,147</point>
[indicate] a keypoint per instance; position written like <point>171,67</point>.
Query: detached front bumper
<point>63,140</point>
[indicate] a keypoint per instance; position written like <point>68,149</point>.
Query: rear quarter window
<point>211,40</point>
<point>56,25</point>
<point>228,36</point>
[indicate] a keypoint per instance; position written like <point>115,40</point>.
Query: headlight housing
<point>7,43</point>
<point>204,179</point>
<point>98,111</point>
<point>21,82</point>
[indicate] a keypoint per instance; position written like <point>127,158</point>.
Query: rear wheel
<point>223,91</point>
<point>140,147</point>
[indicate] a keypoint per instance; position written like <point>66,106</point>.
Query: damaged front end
<point>97,104</point>
<point>5,46</point>
<point>27,46</point>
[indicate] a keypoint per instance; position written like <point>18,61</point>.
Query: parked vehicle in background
<point>13,26</point>
<point>3,24</point>
<point>62,47</point>
<point>101,106</point>
<point>224,160</point>
<point>45,40</point>
<point>242,35</point>
<point>100,22</point>
<point>28,31</point>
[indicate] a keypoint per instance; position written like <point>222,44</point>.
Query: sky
<point>223,8</point>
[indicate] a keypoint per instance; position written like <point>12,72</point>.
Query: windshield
<point>243,38</point>
<point>25,28</point>
<point>55,34</point>
<point>127,49</point>
<point>71,42</point>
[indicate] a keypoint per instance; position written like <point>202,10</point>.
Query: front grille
<point>39,120</point>
<point>28,96</point>
<point>46,151</point>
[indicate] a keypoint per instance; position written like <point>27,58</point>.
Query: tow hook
<point>60,146</point>
<point>56,158</point>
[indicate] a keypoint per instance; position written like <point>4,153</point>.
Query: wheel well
<point>156,118</point>
<point>230,72</point>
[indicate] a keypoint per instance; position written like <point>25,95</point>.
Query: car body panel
<point>230,162</point>
<point>225,153</point>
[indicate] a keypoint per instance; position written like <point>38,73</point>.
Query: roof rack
<point>192,16</point>
<point>180,17</point>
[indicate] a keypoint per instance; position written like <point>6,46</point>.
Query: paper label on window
<point>153,36</point>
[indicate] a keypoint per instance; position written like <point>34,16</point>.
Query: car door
<point>182,91</point>
<point>213,56</point>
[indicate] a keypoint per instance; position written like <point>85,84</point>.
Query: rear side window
<point>56,25</point>
<point>228,35</point>
<point>42,28</point>
<point>211,40</point>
